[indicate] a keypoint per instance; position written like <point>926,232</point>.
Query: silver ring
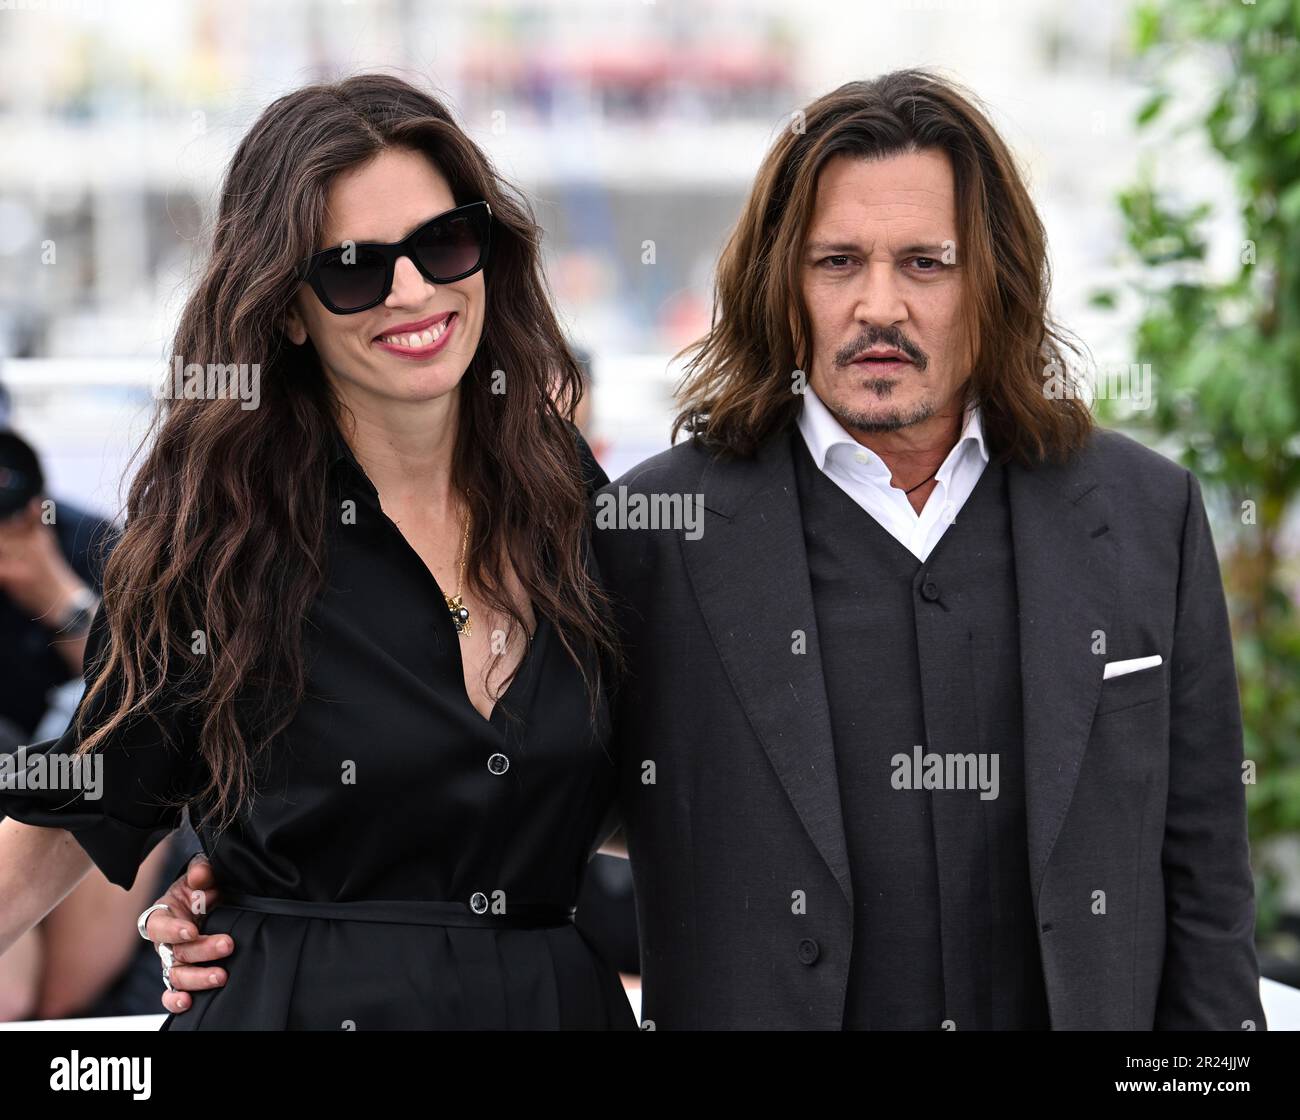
<point>168,959</point>
<point>143,919</point>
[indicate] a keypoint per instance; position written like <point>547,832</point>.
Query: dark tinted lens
<point>449,247</point>
<point>353,284</point>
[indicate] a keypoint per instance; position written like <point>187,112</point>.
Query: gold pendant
<point>459,614</point>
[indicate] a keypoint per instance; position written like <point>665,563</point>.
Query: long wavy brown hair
<point>736,388</point>
<point>226,518</point>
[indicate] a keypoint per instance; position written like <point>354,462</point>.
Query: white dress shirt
<point>865,478</point>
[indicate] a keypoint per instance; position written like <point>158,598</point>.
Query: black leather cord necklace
<point>922,482</point>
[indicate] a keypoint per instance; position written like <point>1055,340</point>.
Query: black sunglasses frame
<point>309,270</point>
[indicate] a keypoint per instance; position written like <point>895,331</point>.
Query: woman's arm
<point>38,869</point>
<point>90,937</point>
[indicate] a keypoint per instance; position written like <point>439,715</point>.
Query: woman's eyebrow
<point>375,241</point>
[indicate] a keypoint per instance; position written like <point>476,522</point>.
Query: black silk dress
<point>407,863</point>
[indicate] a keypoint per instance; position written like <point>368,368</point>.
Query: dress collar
<point>341,454</point>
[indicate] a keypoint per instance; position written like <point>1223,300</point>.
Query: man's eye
<point>937,264</point>
<point>838,259</point>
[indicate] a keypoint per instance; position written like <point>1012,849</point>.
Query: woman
<point>353,629</point>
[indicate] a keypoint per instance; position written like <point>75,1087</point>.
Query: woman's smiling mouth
<point>418,340</point>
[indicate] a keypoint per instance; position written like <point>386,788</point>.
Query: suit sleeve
<point>119,800</point>
<point>1210,979</point>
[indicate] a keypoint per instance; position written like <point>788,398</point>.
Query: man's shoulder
<point>1143,488</point>
<point>679,468</point>
<point>1111,457</point>
<point>1112,450</point>
<point>1128,467</point>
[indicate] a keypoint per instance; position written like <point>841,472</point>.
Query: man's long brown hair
<point>737,386</point>
<point>226,519</point>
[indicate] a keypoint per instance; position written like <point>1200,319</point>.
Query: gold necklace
<point>460,612</point>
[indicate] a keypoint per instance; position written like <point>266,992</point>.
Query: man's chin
<point>875,419</point>
<point>875,424</point>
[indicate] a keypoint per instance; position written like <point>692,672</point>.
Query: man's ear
<point>294,327</point>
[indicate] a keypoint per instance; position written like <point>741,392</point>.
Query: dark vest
<point>927,653</point>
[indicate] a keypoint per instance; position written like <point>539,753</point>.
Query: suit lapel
<point>1066,570</point>
<point>749,571</point>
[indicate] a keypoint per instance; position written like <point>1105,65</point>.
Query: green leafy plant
<point>1225,352</point>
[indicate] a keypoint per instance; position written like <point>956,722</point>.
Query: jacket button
<point>498,764</point>
<point>930,590</point>
<point>809,950</point>
<point>478,902</point>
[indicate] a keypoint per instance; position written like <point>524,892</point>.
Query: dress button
<point>809,950</point>
<point>930,590</point>
<point>860,456</point>
<point>478,903</point>
<point>498,764</point>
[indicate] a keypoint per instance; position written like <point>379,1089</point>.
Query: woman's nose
<point>410,288</point>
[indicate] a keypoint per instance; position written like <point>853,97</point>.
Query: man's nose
<point>879,299</point>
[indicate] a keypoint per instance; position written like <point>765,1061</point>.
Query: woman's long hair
<point>736,389</point>
<point>226,519</point>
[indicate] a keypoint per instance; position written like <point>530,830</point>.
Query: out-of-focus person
<point>85,957</point>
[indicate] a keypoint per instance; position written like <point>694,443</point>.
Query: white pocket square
<point>1119,668</point>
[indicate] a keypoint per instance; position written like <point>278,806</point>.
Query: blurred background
<point>1160,141</point>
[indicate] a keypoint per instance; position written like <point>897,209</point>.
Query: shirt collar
<point>823,433</point>
<point>341,456</point>
<point>340,451</point>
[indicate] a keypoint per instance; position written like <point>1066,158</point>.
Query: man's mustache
<point>892,339</point>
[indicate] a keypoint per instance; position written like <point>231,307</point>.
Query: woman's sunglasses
<point>445,249</point>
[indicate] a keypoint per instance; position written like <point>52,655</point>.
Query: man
<point>930,719</point>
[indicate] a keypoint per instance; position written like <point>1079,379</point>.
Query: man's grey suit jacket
<point>1134,784</point>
